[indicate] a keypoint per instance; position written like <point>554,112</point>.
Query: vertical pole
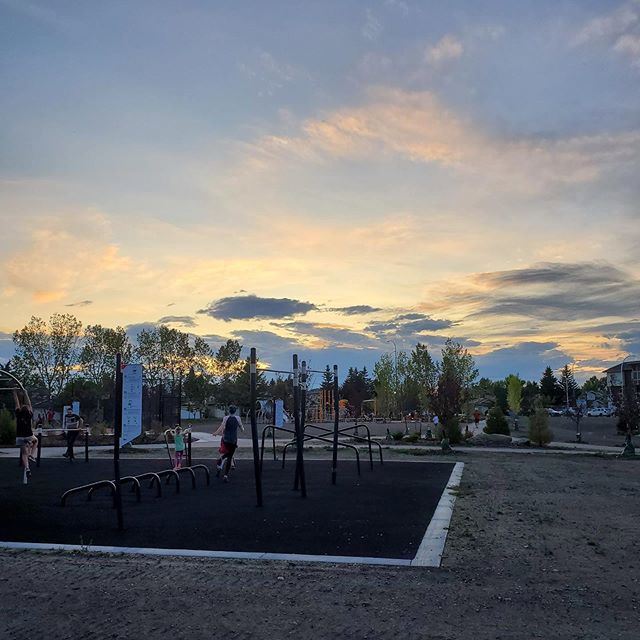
<point>303,410</point>
<point>117,434</point>
<point>273,430</point>
<point>86,445</point>
<point>39,436</point>
<point>189,460</point>
<point>299,436</point>
<point>254,427</point>
<point>336,421</point>
<point>180,401</point>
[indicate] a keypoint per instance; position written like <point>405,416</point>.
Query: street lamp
<point>395,353</point>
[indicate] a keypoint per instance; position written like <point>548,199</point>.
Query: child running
<point>229,430</point>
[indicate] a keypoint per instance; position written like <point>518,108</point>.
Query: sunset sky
<point>327,177</point>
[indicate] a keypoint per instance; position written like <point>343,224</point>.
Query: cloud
<point>251,306</point>
<point>400,5</point>
<point>528,359</point>
<point>184,321</point>
<point>447,48</point>
<point>372,27</point>
<point>269,74</point>
<point>79,255</point>
<point>133,330</point>
<point>356,310</point>
<point>556,292</point>
<point>408,325</point>
<point>418,128</point>
<point>331,335</point>
<point>618,30</point>
<point>82,303</point>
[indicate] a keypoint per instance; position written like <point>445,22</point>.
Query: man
<point>24,434</point>
<point>73,424</point>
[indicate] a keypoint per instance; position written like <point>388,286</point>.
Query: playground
<point>381,514</point>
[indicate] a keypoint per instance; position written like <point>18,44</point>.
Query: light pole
<point>395,390</point>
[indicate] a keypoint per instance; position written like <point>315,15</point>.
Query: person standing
<point>24,435</point>
<point>73,424</point>
<point>229,430</point>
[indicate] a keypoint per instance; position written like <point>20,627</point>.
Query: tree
<point>422,376</point>
<point>446,402</point>
<point>514,393</point>
<point>384,384</point>
<point>549,388</point>
<point>98,353</point>
<point>539,432</point>
<point>568,384</point>
<point>460,363</point>
<point>49,350</point>
<point>595,385</point>
<point>530,392</point>
<point>496,422</point>
<point>357,387</point>
<point>197,388</point>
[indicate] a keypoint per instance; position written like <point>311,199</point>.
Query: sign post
<point>131,403</point>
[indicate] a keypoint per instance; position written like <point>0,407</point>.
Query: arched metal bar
<point>90,487</point>
<point>155,479</point>
<point>170,473</point>
<point>205,469</point>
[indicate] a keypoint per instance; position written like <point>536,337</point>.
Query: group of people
<point>228,429</point>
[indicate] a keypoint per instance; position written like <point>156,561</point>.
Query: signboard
<point>278,418</point>
<point>131,403</point>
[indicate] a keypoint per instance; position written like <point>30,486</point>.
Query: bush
<point>7,428</point>
<point>497,423</point>
<point>397,435</point>
<point>450,428</point>
<point>539,432</point>
<point>412,437</point>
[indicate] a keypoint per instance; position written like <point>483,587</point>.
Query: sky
<point>335,179</point>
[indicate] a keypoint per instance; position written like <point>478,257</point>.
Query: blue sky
<point>475,163</point>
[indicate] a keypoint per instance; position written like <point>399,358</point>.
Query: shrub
<point>412,437</point>
<point>497,423</point>
<point>450,428</point>
<point>397,435</point>
<point>539,432</point>
<point>7,428</point>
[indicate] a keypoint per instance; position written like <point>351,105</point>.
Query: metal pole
<point>336,424</point>
<point>303,410</point>
<point>189,460</point>
<point>299,436</point>
<point>180,401</point>
<point>39,436</point>
<point>86,445</point>
<point>254,427</point>
<point>117,434</point>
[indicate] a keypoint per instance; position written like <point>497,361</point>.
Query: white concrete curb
<point>197,553</point>
<point>432,546</point>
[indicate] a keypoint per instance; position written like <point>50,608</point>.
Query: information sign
<point>131,403</point>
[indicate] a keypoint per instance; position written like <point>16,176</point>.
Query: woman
<point>24,434</point>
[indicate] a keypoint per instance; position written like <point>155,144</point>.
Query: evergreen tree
<point>549,388</point>
<point>539,432</point>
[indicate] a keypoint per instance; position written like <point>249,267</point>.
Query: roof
<point>626,365</point>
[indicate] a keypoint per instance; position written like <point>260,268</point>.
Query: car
<point>553,412</point>
<point>598,411</point>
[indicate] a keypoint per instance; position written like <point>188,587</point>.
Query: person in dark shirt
<point>24,434</point>
<point>73,424</point>
<point>229,430</point>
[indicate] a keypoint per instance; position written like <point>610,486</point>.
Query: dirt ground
<point>539,547</point>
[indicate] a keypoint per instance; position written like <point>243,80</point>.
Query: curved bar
<point>154,478</point>
<point>188,470</point>
<point>136,485</point>
<point>91,487</point>
<point>372,441</point>
<point>170,473</point>
<point>264,431</point>
<point>206,471</point>
<point>355,437</point>
<point>340,444</point>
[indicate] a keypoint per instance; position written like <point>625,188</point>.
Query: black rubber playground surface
<point>383,513</point>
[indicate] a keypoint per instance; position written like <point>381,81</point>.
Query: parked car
<point>553,412</point>
<point>598,411</point>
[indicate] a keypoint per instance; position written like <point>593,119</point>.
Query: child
<point>178,440</point>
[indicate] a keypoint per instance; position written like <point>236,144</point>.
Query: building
<point>625,375</point>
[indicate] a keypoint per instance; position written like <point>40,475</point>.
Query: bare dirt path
<point>539,547</point>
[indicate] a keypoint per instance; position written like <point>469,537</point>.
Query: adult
<point>229,430</point>
<point>72,424</point>
<point>24,434</point>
